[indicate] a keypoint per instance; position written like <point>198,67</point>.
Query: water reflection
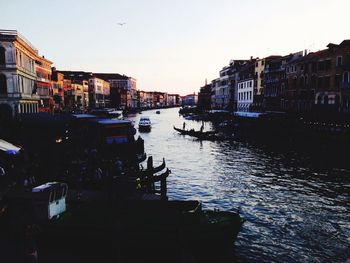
<point>296,202</point>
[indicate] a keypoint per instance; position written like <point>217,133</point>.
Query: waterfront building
<point>76,89</point>
<point>123,92</point>
<point>57,89</point>
<point>17,75</point>
<point>190,100</point>
<point>149,99</point>
<point>85,99</point>
<point>204,97</point>
<point>224,88</point>
<point>96,93</point>
<point>106,94</point>
<point>159,99</point>
<point>141,97</point>
<point>77,93</point>
<point>236,66</point>
<point>275,81</point>
<point>245,86</point>
<point>68,97</point>
<point>43,84</point>
<point>258,96</point>
<point>320,81</point>
<point>215,94</point>
<point>174,100</point>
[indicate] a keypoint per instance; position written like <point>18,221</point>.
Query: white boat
<point>145,124</point>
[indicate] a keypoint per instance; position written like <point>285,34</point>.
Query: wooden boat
<point>192,132</point>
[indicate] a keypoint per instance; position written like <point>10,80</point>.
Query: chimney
<point>305,52</point>
<point>251,57</point>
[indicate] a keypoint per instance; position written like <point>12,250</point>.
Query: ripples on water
<point>297,205</point>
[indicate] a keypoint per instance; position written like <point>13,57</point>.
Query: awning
<point>9,148</point>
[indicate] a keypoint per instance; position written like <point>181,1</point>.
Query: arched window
<point>3,84</point>
<point>2,56</point>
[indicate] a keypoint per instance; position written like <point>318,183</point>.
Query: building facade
<point>204,97</point>
<point>245,91</point>
<point>245,86</point>
<point>17,75</point>
<point>43,84</point>
<point>275,81</point>
<point>57,89</point>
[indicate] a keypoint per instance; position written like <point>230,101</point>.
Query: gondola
<point>194,133</point>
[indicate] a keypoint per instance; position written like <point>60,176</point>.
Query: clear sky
<point>172,46</point>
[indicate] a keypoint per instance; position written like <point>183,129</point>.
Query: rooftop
<point>15,33</point>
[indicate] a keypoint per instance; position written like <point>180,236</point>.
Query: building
<point>224,88</point>
<point>96,92</point>
<point>275,81</point>
<point>174,100</point>
<point>190,100</point>
<point>106,94</point>
<point>43,84</point>
<point>215,93</point>
<point>17,75</point>
<point>245,86</point>
<point>320,81</point>
<point>204,97</point>
<point>123,92</point>
<point>258,98</point>
<point>76,89</point>
<point>57,89</point>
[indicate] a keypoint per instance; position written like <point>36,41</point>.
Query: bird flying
<point>121,24</point>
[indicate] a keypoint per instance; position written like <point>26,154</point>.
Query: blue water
<point>297,204</point>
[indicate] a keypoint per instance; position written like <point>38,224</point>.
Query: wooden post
<point>163,189</point>
<point>150,186</point>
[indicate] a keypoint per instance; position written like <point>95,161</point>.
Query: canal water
<point>296,203</point>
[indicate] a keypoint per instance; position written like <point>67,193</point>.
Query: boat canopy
<point>9,148</point>
<point>84,116</point>
<point>114,121</point>
<point>218,111</point>
<point>249,114</point>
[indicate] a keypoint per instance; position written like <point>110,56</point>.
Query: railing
<point>15,33</point>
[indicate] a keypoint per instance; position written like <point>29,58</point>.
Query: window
<point>346,77</point>
<point>2,56</point>
<point>3,84</point>
<point>337,81</point>
<point>321,65</point>
<point>339,61</point>
<point>327,64</point>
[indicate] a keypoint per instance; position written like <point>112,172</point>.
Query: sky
<point>172,46</point>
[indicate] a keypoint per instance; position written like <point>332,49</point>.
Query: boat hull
<point>144,128</point>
